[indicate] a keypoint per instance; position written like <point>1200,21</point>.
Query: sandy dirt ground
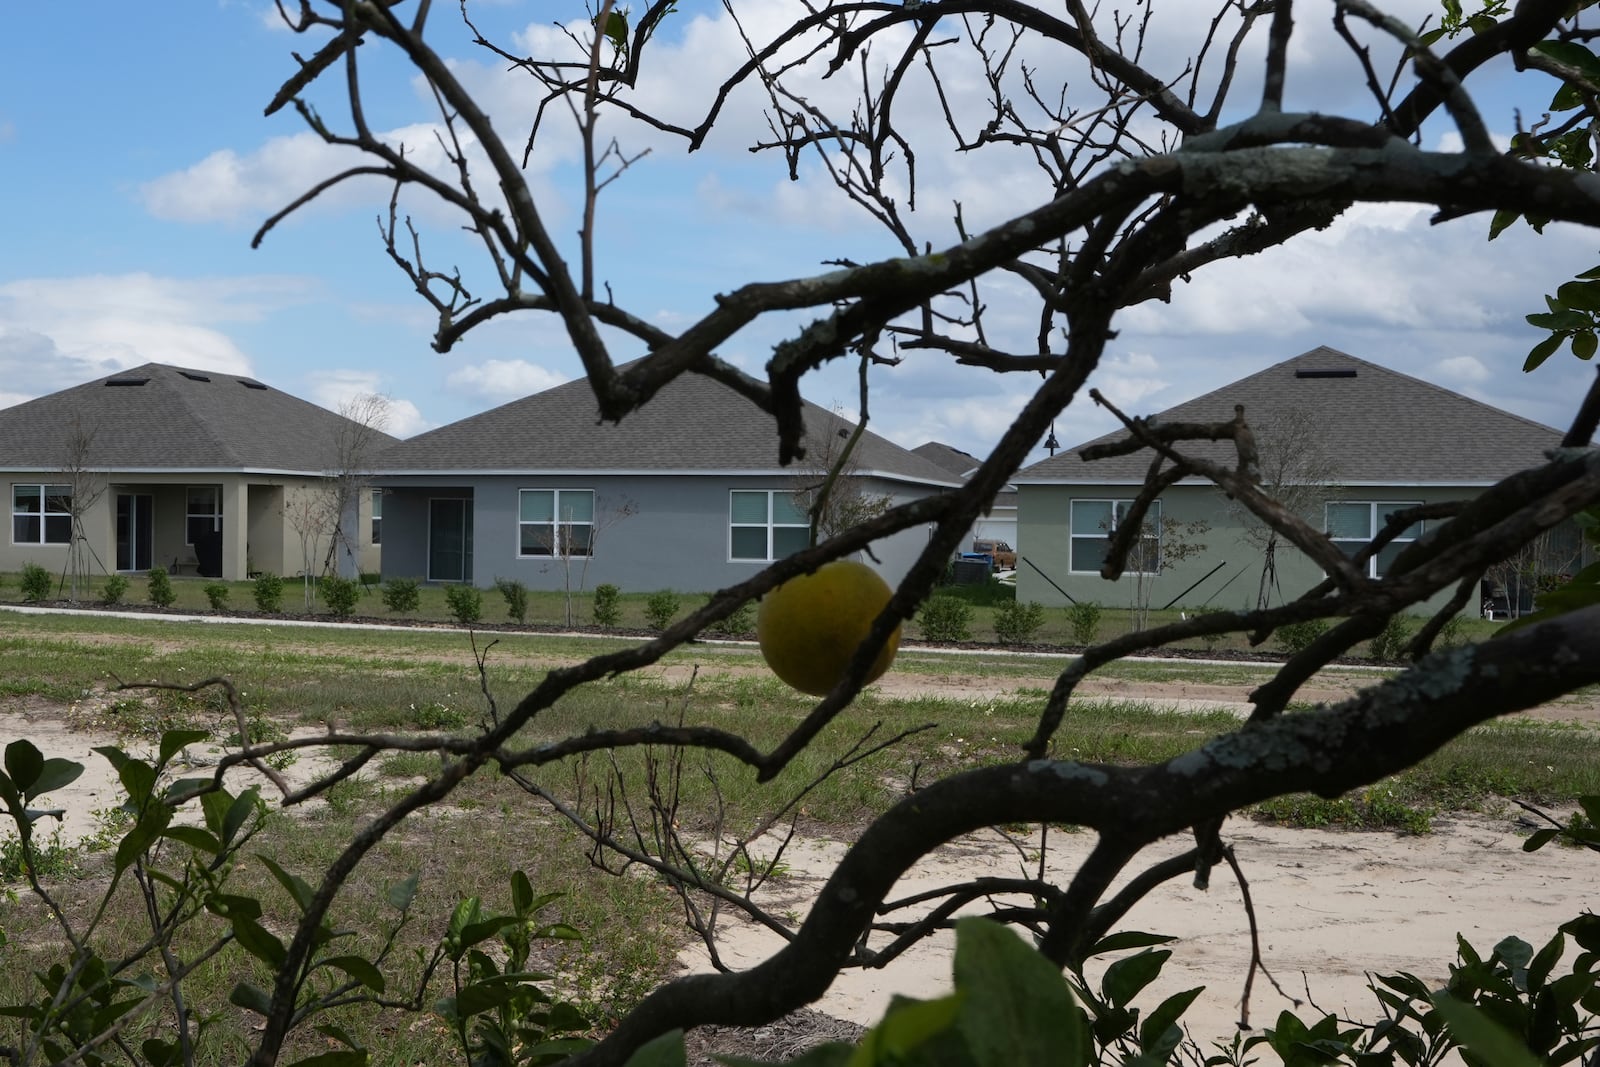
<point>1332,906</point>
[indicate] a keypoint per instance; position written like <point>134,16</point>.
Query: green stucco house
<point>1345,442</point>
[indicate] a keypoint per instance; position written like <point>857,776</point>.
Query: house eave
<point>265,472</point>
<point>1454,483</point>
<point>650,472</point>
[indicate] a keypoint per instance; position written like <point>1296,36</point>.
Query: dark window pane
<point>25,529</point>
<point>749,542</point>
<point>538,539</point>
<point>787,540</point>
<point>579,536</point>
<point>1088,553</point>
<point>58,529</point>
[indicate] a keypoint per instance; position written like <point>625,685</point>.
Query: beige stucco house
<point>196,471</point>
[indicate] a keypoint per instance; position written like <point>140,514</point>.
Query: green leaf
<point>175,741</point>
<point>521,892</point>
<point>360,968</point>
<point>1127,939</point>
<point>1584,344</point>
<point>24,762</point>
<point>138,777</point>
<point>1124,978</point>
<point>1483,1037</point>
<point>186,788</point>
<point>238,813</point>
<point>296,886</point>
<point>152,822</point>
<point>401,894</point>
<point>258,941</point>
<point>664,1051</point>
<point>54,774</point>
<point>480,997</point>
<point>1160,1033</point>
<point>1017,1007</point>
<point>250,998</point>
<point>160,1053</point>
<point>1580,295</point>
<point>906,1026</point>
<point>193,836</point>
<point>1541,351</point>
<point>1538,839</point>
<point>339,1034</point>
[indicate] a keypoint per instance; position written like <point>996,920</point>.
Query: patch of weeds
<point>51,858</point>
<point>438,715</point>
<point>265,731</point>
<point>409,765</point>
<point>348,796</point>
<point>1375,808</point>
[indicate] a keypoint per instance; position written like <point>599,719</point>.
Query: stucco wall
<point>676,536</point>
<point>1228,571</point>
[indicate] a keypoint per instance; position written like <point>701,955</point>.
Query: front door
<point>135,531</point>
<point>449,540</point>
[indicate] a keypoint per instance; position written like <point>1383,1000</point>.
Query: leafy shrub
<point>268,592</point>
<point>465,603</point>
<point>217,595</point>
<point>1015,624</point>
<point>1390,644</point>
<point>1084,620</point>
<point>607,605</point>
<point>516,595</point>
<point>659,608</point>
<point>945,618</point>
<point>115,589</point>
<point>401,595</point>
<point>340,594</point>
<point>1451,633</point>
<point>159,588</point>
<point>1295,637</point>
<point>35,583</point>
<point>741,621</point>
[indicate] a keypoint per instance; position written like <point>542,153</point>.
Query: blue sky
<point>135,164</point>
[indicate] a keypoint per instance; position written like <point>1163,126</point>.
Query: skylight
<point>193,377</point>
<point>126,381</point>
<point>1342,372</point>
<point>251,383</point>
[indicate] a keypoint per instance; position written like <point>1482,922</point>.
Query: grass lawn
<point>417,681</point>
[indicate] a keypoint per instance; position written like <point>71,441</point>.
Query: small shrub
<point>465,603</point>
<point>1390,644</point>
<point>115,589</point>
<point>516,595</point>
<point>741,621</point>
<point>659,608</point>
<point>1015,624</point>
<point>401,595</point>
<point>1295,637</point>
<point>35,583</point>
<point>217,595</point>
<point>268,592</point>
<point>1084,620</point>
<point>945,618</point>
<point>159,588</point>
<point>1451,633</point>
<point>340,594</point>
<point>607,605</point>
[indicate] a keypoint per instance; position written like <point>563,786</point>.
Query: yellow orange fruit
<point>809,627</point>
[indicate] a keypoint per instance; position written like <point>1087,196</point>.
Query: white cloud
<point>1128,380</point>
<point>1459,371</point>
<point>499,380</point>
<point>57,332</point>
<point>336,389</point>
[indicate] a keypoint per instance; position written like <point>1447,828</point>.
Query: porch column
<point>235,529</point>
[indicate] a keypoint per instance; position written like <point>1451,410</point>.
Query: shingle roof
<point>949,457</point>
<point>1378,427</point>
<point>693,425</point>
<point>158,417</point>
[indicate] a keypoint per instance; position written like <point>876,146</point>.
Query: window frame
<point>1375,522</point>
<point>770,526</point>
<point>45,490</point>
<point>377,517</point>
<point>190,516</point>
<point>560,529</point>
<point>1119,507</point>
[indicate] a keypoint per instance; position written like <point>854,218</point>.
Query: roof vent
<point>193,377</point>
<point>1345,372</point>
<point>251,383</point>
<point>126,381</point>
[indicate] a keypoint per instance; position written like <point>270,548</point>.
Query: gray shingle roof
<point>175,418</point>
<point>1378,427</point>
<point>949,457</point>
<point>693,425</point>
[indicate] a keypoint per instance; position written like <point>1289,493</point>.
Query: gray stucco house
<point>1000,521</point>
<point>1347,441</point>
<point>684,494</point>
<point>158,465</point>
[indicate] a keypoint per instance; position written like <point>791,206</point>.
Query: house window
<point>204,513</point>
<point>766,524</point>
<point>555,522</point>
<point>1092,524</point>
<point>1352,524</point>
<point>377,516</point>
<point>41,514</point>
